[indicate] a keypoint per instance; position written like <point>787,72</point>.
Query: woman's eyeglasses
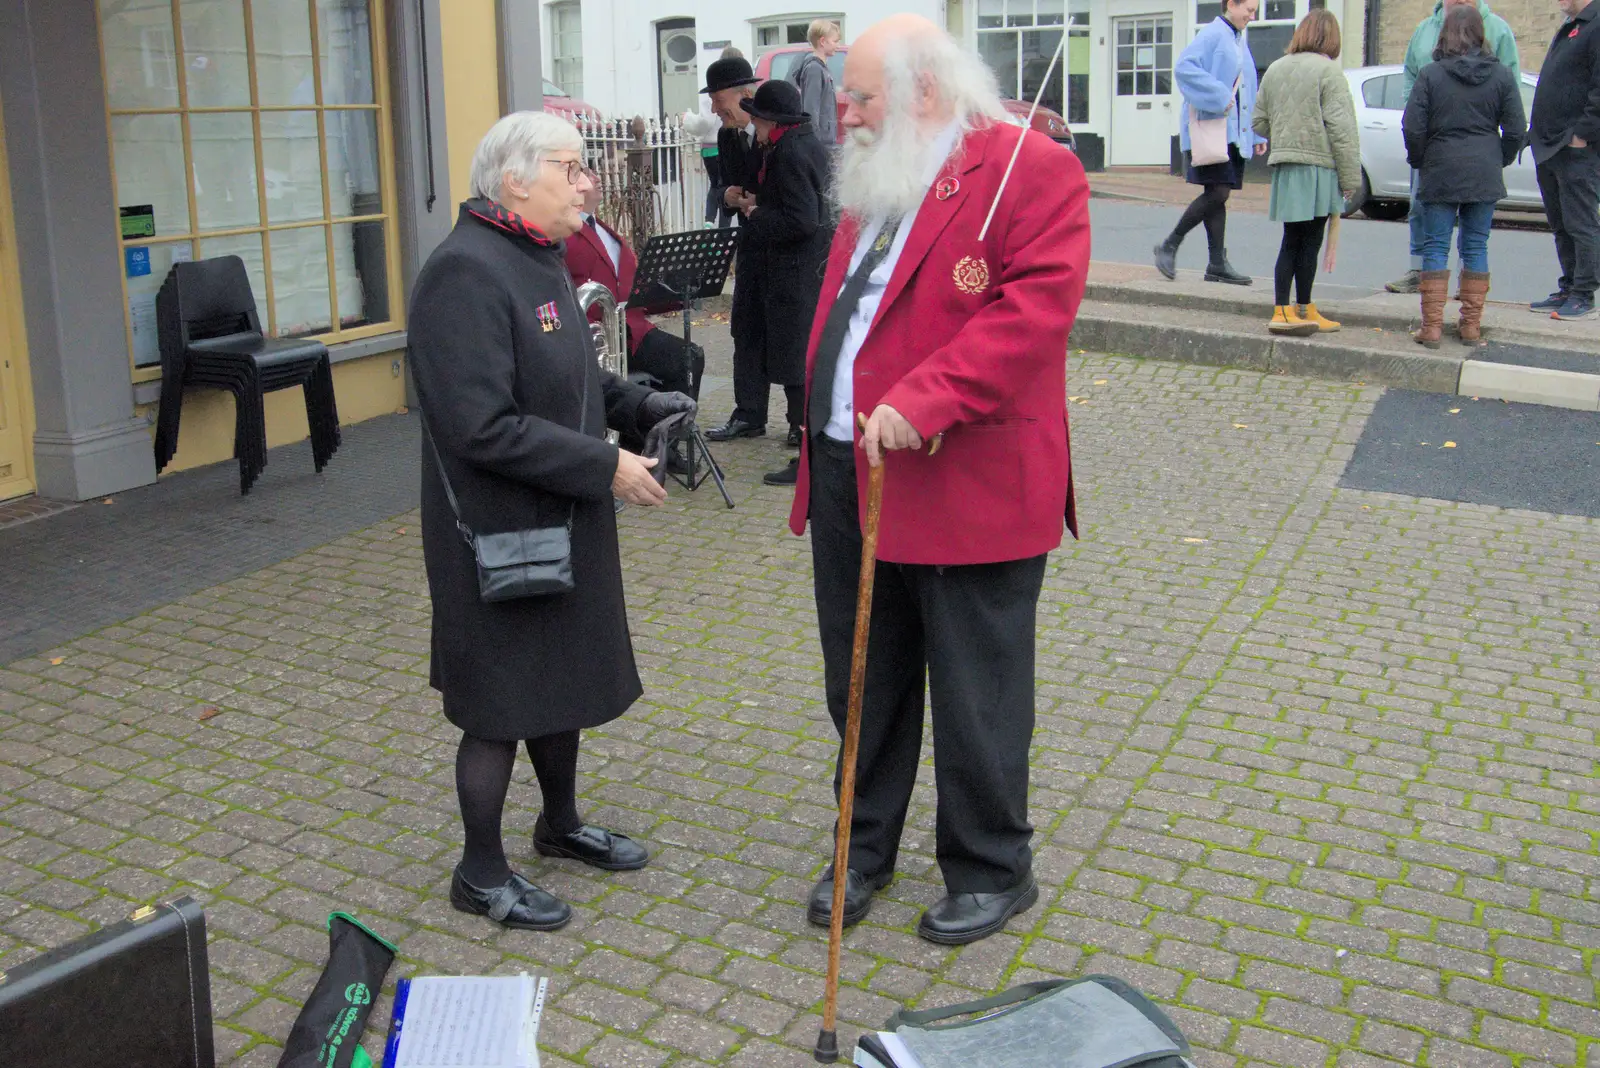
<point>574,167</point>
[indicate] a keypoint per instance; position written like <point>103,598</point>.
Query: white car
<point>1385,176</point>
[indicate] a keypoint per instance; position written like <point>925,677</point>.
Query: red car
<point>557,102</point>
<point>780,63</point>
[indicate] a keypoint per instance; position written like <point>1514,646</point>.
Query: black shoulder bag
<point>514,564</point>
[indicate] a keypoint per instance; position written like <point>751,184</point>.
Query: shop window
<point>566,47</point>
<point>1017,39</point>
<point>257,128</point>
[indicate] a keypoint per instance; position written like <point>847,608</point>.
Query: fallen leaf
<point>1455,411</point>
<point>1424,443</point>
<point>57,659</point>
<point>1448,445</point>
<point>402,530</point>
<point>1474,398</point>
<point>1099,381</point>
<point>1195,541</point>
<point>1074,398</point>
<point>209,712</point>
<point>1082,351</point>
<point>1241,426</point>
<point>106,501</point>
<point>402,410</point>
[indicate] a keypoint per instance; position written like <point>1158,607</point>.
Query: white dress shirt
<point>612,245</point>
<point>840,426</point>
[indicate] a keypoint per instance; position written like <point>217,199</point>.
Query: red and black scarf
<point>772,141</point>
<point>508,221</point>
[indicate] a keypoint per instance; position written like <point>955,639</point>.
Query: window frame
<point>782,22</point>
<point>381,108</point>
<point>1012,82</point>
<point>557,11</point>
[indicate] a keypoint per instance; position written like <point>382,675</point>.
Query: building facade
<point>1533,21</point>
<point>324,142</point>
<point>1113,83</point>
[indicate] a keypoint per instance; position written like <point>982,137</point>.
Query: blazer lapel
<point>934,215</point>
<point>599,248</point>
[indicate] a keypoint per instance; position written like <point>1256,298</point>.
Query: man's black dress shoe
<point>595,846</point>
<point>858,891</point>
<point>787,475</point>
<point>962,918</point>
<point>735,428</point>
<point>793,440</point>
<point>514,903</point>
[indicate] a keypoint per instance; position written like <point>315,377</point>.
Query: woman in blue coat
<point>1217,76</point>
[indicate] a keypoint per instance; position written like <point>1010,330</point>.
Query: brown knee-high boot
<point>1435,290</point>
<point>1474,291</point>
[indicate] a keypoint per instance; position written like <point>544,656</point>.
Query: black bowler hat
<point>729,73</point>
<point>777,101</point>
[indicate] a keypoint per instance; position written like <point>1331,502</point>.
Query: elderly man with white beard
<point>944,318</point>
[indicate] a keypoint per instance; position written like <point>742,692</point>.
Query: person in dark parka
<point>789,228</point>
<point>514,400</point>
<point>1463,125</point>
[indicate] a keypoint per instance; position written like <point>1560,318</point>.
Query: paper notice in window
<point>142,317</point>
<point>470,1022</point>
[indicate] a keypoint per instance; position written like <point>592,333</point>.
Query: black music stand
<point>682,269</point>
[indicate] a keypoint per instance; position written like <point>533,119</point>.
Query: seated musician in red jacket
<point>597,253</point>
<point>941,320</point>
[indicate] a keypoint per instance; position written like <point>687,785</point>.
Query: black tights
<point>1211,208</point>
<point>1297,260</point>
<point>483,775</point>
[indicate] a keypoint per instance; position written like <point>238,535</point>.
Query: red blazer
<point>588,261</point>
<point>971,341</point>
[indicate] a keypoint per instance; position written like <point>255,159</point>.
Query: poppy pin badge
<point>947,188</point>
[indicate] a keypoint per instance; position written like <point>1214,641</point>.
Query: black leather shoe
<point>735,428</point>
<point>595,846</point>
<point>787,476</point>
<point>1224,272</point>
<point>1167,260</point>
<point>963,918</point>
<point>793,440</point>
<point>515,903</point>
<point>858,891</point>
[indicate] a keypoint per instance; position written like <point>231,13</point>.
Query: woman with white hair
<point>530,633</point>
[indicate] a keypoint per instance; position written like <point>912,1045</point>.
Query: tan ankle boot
<point>1474,291</point>
<point>1435,289</point>
<point>1309,313</point>
<point>1286,321</point>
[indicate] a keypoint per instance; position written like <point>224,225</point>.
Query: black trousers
<point>964,633</point>
<point>1569,185</point>
<point>752,389</point>
<point>661,355</point>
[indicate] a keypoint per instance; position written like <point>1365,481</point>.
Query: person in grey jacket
<point>1463,126</point>
<point>815,81</point>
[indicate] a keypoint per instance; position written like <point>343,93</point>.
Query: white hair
<point>517,146</point>
<point>884,172</point>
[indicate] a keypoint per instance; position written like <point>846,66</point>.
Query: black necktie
<point>831,343</point>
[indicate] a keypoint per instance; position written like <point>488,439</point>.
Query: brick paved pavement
<point>1315,767</point>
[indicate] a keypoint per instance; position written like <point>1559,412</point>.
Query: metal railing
<point>652,180</point>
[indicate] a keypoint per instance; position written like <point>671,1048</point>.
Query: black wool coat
<point>1463,126</point>
<point>503,399</point>
<point>1567,102</point>
<point>788,235</point>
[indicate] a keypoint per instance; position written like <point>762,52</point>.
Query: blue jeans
<point>1439,220</point>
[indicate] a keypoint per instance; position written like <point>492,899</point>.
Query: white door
<point>1144,104</point>
<point>680,75</point>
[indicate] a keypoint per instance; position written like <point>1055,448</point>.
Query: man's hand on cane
<point>887,430</point>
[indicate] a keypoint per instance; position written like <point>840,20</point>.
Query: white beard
<point>881,174</point>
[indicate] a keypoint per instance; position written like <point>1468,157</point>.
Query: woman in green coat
<point>1305,111</point>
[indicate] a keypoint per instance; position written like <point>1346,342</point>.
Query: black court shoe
<point>594,846</point>
<point>962,918</point>
<point>515,903</point>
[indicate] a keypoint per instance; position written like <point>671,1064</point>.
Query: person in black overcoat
<point>790,227</point>
<point>514,409</point>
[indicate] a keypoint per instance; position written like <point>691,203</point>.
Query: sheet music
<point>471,1022</point>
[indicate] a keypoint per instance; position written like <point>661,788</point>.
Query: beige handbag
<point>1208,138</point>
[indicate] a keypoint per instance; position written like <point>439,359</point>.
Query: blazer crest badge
<point>971,275</point>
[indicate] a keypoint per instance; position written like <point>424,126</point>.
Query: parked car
<point>1385,175</point>
<point>780,63</point>
<point>557,102</point>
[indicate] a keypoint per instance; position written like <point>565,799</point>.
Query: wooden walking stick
<point>827,1051</point>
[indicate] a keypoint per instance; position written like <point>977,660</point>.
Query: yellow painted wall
<point>468,37</point>
<point>363,388</point>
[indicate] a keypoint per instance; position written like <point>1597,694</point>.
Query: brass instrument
<point>607,333</point>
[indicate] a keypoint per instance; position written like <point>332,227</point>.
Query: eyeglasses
<point>860,98</point>
<point>574,168</point>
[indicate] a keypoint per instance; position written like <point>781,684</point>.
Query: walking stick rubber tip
<point>827,1051</point>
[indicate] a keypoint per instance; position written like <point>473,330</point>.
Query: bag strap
<point>1014,996</point>
<point>444,476</point>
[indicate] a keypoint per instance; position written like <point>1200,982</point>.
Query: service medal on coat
<point>972,275</point>
<point>548,317</point>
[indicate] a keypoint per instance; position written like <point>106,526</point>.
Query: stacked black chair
<point>211,337</point>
